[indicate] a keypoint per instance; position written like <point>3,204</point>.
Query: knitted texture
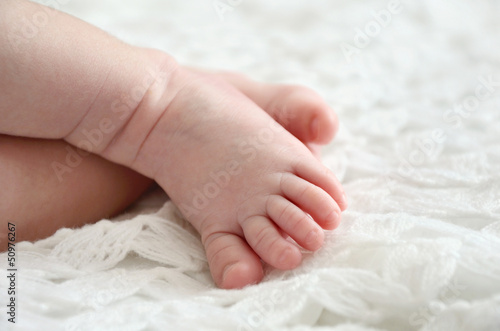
<point>416,85</point>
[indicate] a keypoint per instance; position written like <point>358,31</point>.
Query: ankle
<point>129,106</point>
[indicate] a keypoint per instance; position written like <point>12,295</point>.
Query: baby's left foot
<point>238,177</point>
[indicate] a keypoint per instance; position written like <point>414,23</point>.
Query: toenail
<point>312,237</point>
<point>226,271</point>
<point>332,218</point>
<point>285,256</point>
<point>315,128</point>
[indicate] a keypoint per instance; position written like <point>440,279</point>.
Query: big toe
<point>233,264</point>
<point>302,112</point>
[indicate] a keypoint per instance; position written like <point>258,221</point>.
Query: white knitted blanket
<point>416,85</point>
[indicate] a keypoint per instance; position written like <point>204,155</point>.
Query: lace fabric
<point>419,246</point>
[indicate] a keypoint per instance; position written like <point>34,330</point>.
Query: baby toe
<point>311,199</point>
<point>233,264</point>
<point>316,173</point>
<point>295,222</point>
<point>309,107</point>
<point>265,239</point>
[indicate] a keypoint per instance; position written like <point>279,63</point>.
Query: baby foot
<point>238,176</point>
<point>240,179</point>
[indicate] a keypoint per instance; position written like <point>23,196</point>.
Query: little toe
<point>265,239</point>
<point>311,199</point>
<point>233,264</point>
<point>291,219</point>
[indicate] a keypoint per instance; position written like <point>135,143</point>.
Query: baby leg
<point>49,184</point>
